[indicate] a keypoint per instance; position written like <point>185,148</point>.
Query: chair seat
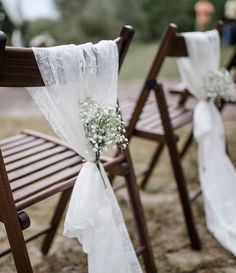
<point>38,166</point>
<point>149,124</point>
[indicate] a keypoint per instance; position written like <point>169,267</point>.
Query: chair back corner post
<point>4,187</point>
<point>163,50</point>
<point>219,26</point>
<point>154,70</point>
<point>170,140</point>
<point>126,35</point>
<point>13,225</point>
<point>3,41</point>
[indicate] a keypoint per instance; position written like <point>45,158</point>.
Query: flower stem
<point>98,166</point>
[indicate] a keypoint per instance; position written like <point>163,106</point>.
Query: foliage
<point>83,20</point>
<point>160,13</point>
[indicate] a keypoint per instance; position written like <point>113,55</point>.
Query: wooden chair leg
<point>65,196</point>
<point>187,144</point>
<point>151,165</point>
<point>18,245</point>
<point>177,167</point>
<point>10,218</point>
<point>137,207</point>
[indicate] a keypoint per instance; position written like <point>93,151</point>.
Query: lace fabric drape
<point>72,73</point>
<point>216,171</point>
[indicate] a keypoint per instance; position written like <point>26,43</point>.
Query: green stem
<point>98,166</point>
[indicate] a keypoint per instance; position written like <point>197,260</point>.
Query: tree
<point>160,13</point>
<point>83,20</point>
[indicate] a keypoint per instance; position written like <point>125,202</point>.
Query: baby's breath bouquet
<point>219,85</point>
<point>103,126</point>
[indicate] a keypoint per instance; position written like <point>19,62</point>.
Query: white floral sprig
<point>103,126</point>
<point>219,85</point>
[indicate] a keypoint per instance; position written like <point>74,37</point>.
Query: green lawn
<point>140,56</point>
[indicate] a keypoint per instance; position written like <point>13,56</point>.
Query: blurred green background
<point>80,21</point>
<point>83,20</point>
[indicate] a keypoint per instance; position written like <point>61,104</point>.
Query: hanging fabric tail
<point>72,73</point>
<point>216,171</point>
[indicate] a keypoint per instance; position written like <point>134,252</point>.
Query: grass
<point>141,55</point>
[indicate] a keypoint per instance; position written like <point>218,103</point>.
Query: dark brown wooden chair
<point>183,92</point>
<point>35,166</point>
<point>184,95</point>
<point>157,121</point>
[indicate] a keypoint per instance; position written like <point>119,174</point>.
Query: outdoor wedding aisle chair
<point>35,166</point>
<point>184,95</point>
<point>157,121</point>
<point>229,65</point>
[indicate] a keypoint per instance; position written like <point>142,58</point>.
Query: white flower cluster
<point>219,85</point>
<point>102,125</point>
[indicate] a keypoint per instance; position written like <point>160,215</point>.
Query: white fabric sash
<point>72,73</point>
<point>216,171</point>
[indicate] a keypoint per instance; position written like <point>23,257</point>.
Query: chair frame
<point>18,68</point>
<point>184,95</point>
<point>172,45</point>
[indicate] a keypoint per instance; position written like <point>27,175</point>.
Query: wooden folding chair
<point>183,92</point>
<point>156,121</point>
<point>35,166</point>
<point>184,95</point>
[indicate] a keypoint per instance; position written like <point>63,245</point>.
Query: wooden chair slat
<point>34,158</point>
<point>46,137</point>
<point>16,143</point>
<point>43,194</point>
<point>11,139</point>
<point>150,117</point>
<point>32,151</point>
<point>177,47</point>
<point>36,187</point>
<point>39,165</point>
<point>35,176</point>
<point>19,68</point>
<point>24,147</point>
<point>143,122</point>
<point>155,135</point>
<point>19,64</point>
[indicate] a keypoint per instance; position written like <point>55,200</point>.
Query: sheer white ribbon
<point>94,216</point>
<point>216,171</point>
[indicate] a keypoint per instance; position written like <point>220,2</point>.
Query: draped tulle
<point>72,73</point>
<point>216,171</point>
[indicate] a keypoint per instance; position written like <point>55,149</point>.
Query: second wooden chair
<point>156,120</point>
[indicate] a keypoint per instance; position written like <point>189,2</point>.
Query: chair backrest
<point>18,67</point>
<point>172,44</point>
